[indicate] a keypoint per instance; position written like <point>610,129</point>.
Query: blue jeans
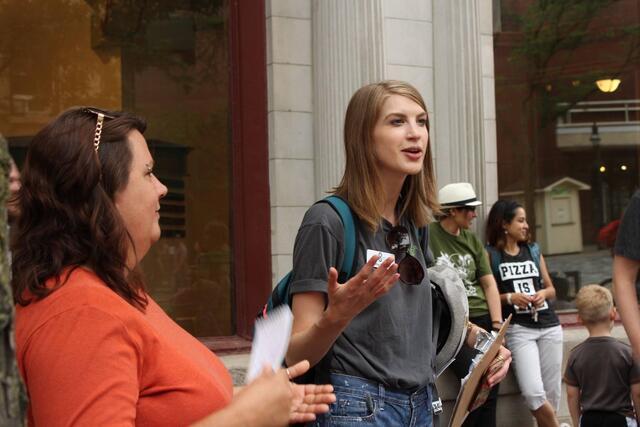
<point>359,401</point>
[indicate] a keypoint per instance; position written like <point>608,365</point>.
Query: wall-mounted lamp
<point>608,85</point>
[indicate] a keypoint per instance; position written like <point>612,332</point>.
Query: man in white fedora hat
<point>454,245</point>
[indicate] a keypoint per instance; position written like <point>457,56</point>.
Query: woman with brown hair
<point>92,346</point>
<point>372,335</point>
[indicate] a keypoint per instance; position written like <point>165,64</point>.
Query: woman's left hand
<point>539,298</point>
<point>308,399</point>
<point>499,367</point>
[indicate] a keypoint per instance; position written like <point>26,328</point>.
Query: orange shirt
<point>89,358</point>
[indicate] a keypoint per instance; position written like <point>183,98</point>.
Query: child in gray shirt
<point>601,376</point>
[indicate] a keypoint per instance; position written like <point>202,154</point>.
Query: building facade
<point>245,102</point>
<point>320,52</point>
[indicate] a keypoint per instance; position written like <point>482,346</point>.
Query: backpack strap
<point>349,224</point>
<point>281,294</point>
<point>494,258</point>
<point>534,249</point>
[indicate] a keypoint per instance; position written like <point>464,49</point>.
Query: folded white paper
<point>270,341</point>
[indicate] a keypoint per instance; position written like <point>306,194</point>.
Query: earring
<point>506,232</point>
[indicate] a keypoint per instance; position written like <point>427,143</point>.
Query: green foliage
<point>551,27</point>
<point>552,32</point>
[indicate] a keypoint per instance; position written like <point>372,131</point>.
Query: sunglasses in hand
<point>409,268</point>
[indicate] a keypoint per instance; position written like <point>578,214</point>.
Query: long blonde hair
<point>361,183</point>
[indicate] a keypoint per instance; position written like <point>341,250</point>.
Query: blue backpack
<point>281,293</point>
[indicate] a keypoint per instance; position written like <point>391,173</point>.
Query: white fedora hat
<point>458,194</point>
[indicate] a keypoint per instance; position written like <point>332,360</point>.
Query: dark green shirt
<point>465,253</point>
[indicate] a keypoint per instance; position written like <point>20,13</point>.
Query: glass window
<point>165,61</point>
<point>568,121</point>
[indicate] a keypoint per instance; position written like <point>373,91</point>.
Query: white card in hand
<point>270,341</point>
<point>382,255</point>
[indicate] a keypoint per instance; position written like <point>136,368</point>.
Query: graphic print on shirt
<point>521,274</point>
<point>460,263</point>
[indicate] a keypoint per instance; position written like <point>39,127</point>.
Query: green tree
<point>553,32</point>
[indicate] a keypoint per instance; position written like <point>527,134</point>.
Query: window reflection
<point>568,147</point>
<point>165,61</point>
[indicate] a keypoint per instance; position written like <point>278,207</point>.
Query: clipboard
<point>473,384</point>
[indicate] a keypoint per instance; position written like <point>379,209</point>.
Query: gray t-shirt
<point>603,369</point>
<point>389,342</point>
<point>628,240</point>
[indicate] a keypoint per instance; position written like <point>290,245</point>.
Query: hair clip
<point>100,121</point>
<point>96,138</point>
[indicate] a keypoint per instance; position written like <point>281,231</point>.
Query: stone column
<point>464,96</point>
<point>348,52</point>
<point>292,187</point>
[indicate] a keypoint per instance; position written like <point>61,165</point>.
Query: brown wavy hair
<point>502,212</point>
<point>360,184</point>
<point>68,218</point>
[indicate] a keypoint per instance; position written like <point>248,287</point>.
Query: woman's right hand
<point>347,300</point>
<point>521,300</point>
<point>266,402</point>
